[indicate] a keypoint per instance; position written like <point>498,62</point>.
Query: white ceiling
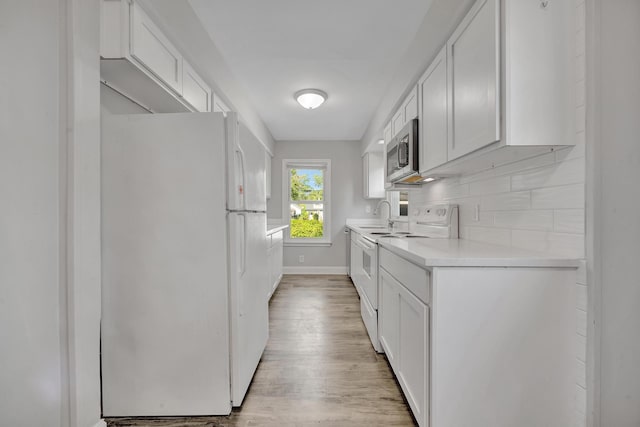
<point>348,48</point>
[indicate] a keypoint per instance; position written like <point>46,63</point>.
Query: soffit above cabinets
<point>350,49</point>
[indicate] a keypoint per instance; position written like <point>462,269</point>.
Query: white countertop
<point>467,253</point>
<point>274,228</point>
<point>463,253</point>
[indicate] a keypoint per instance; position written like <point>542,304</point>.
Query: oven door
<point>369,273</point>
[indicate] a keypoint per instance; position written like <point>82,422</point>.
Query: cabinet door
<point>413,352</point>
<point>432,107</point>
<point>153,50</point>
<point>276,266</point>
<point>397,122</point>
<point>356,263</point>
<point>410,107</point>
<point>365,175</point>
<point>474,64</point>
<point>194,90</point>
<point>387,133</point>
<point>267,161</point>
<point>389,317</point>
<point>539,60</point>
<point>219,105</point>
<point>387,137</point>
<point>270,266</point>
<point>373,176</point>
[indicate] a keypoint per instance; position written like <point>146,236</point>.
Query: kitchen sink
<point>397,235</point>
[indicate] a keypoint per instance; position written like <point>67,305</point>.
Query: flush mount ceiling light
<point>381,141</point>
<point>310,98</point>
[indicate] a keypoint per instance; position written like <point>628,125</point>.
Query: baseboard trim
<point>314,270</point>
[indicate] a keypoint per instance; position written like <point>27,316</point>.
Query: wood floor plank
<point>319,368</point>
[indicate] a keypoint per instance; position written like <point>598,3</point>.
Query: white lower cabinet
<point>404,334</point>
<point>480,346</point>
<point>356,263</point>
<point>388,316</point>
<point>275,255</point>
<point>413,352</point>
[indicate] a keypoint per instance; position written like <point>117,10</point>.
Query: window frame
<point>324,164</point>
<point>394,199</point>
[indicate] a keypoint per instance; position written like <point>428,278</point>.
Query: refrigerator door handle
<point>241,186</point>
<point>243,242</point>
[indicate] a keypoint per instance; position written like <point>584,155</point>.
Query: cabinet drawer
<point>414,278</point>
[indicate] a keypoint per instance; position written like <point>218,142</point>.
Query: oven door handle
<point>364,244</point>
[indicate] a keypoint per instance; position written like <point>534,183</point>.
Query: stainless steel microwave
<point>402,155</point>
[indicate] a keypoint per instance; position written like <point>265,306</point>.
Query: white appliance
<point>366,279</point>
<point>433,222</point>
<point>402,156</point>
<point>185,277</point>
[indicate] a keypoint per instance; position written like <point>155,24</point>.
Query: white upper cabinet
<point>387,133</point>
<point>474,75</point>
<point>194,90</point>
<point>397,122</point>
<point>539,61</point>
<point>432,114</point>
<point>410,107</point>
<point>407,111</point>
<point>219,106</point>
<point>139,61</point>
<point>510,82</point>
<point>373,175</point>
<point>267,171</point>
<point>154,50</point>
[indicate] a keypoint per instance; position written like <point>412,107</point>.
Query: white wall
<point>347,199</point>
<point>179,21</point>
<point>49,226</point>
<point>30,147</point>
<point>614,171</point>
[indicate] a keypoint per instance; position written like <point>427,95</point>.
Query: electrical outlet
<point>367,209</point>
<point>476,213</point>
<point>301,259</point>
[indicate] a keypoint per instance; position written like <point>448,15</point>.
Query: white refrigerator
<point>185,277</point>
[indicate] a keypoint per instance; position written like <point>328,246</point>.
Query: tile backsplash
<point>536,204</point>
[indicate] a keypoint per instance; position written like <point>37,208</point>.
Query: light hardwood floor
<point>319,368</point>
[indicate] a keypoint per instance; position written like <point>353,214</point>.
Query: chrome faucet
<point>390,222</point>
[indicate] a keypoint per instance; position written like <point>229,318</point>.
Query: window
<point>399,205</point>
<point>306,184</point>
